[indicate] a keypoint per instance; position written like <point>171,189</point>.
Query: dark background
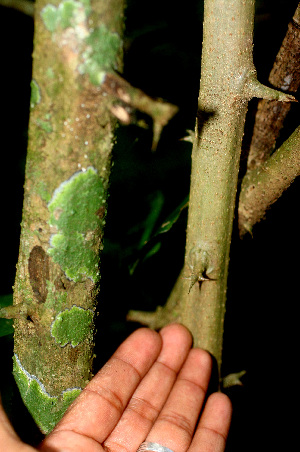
<point>162,57</point>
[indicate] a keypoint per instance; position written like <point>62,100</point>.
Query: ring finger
<point>151,394</point>
<point>174,427</point>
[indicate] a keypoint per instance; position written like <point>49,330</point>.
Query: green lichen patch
<point>45,409</point>
<point>35,96</point>
<point>55,299</point>
<point>50,17</point>
<point>72,326</point>
<point>50,73</point>
<point>68,13</point>
<point>45,125</point>
<point>69,395</point>
<point>102,48</point>
<point>73,212</point>
<point>97,48</point>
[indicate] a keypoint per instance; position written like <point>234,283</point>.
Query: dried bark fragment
<point>38,267</point>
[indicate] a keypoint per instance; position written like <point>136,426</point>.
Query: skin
<point>153,388</point>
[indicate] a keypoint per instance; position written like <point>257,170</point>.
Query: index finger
<point>98,408</point>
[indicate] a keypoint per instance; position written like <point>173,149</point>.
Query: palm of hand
<point>153,388</point>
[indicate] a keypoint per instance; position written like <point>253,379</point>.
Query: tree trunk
<point>71,135</point>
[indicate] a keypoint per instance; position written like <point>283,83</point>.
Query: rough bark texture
<point>67,174</point>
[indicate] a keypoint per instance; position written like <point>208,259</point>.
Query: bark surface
<point>71,134</point>
<point>228,82</point>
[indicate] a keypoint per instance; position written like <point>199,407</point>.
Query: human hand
<point>152,389</point>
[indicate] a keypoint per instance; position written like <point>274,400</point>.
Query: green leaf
<point>172,218</point>
<point>144,255</point>
<point>153,250</point>
<point>149,244</point>
<point>156,202</point>
<point>6,326</point>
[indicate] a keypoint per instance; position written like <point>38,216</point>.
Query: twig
<point>160,111</point>
<point>270,115</point>
<point>263,185</point>
<point>24,6</point>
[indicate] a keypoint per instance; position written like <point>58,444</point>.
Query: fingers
<point>152,393</point>
<point>98,409</point>
<point>9,440</point>
<point>213,428</point>
<point>152,389</point>
<point>174,428</point>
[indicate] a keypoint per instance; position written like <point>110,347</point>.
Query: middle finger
<point>151,394</point>
<point>176,423</point>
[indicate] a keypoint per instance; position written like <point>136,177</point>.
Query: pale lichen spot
<point>102,48</point>
<point>68,13</point>
<point>45,125</point>
<point>93,51</point>
<point>50,73</point>
<point>286,82</point>
<point>35,96</point>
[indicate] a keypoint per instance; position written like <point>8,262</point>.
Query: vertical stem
<point>71,135</point>
<point>228,82</point>
<point>226,70</point>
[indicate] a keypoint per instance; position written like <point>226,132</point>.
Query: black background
<point>162,57</point>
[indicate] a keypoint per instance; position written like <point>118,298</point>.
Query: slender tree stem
<point>227,74</point>
<point>228,82</point>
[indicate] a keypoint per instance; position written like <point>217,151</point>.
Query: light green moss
<point>68,13</point>
<point>101,53</point>
<point>45,125</point>
<point>73,211</point>
<point>50,17</point>
<point>50,73</point>
<point>98,48</point>
<point>35,96</point>
<point>72,326</point>
<point>41,189</point>
<point>45,409</point>
<point>55,299</point>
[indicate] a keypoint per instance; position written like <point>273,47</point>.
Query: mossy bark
<point>71,134</point>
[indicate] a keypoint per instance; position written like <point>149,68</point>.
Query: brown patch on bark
<point>38,267</point>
